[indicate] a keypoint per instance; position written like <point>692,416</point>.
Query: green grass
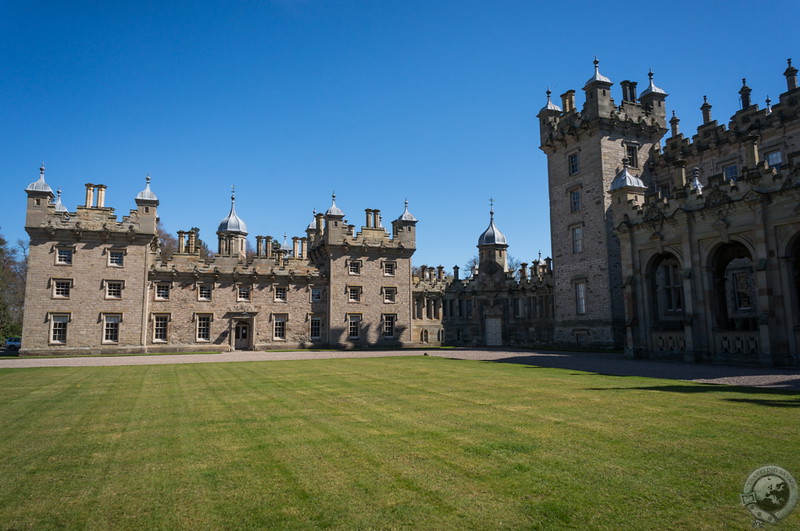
<point>381,443</point>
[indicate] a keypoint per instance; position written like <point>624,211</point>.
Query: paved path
<point>603,363</point>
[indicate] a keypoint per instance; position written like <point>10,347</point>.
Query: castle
<point>98,284</point>
<point>688,249</point>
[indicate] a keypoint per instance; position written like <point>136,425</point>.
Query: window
<point>111,328</point>
<point>388,324</point>
<point>389,294</point>
<point>741,290</point>
<point>580,298</point>
<point>116,258</point>
<point>774,159</point>
<point>58,328</point>
<point>354,267</point>
<point>316,327</point>
<point>572,163</point>
<point>162,291</point>
<point>389,268</point>
<point>64,256</point>
<point>279,331</point>
<point>243,293</point>
<point>632,152</point>
<point>61,289</point>
<point>353,325</point>
<point>114,289</point>
<point>577,239</point>
<point>280,294</point>
<point>354,293</point>
<point>731,172</point>
<point>204,292</point>
<point>316,294</point>
<point>161,327</point>
<point>204,327</point>
<point>575,200</point>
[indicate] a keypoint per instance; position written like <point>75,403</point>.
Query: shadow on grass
<point>792,399</point>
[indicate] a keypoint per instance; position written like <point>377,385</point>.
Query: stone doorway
<point>494,332</point>
<point>241,336</point>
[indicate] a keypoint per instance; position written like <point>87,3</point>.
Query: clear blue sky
<point>378,100</point>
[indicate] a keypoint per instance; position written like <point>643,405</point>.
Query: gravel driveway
<point>603,363</point>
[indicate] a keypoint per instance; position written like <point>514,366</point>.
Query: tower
<point>585,151</point>
<point>492,249</point>
<point>232,233</point>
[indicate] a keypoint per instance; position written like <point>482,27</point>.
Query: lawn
<point>381,443</point>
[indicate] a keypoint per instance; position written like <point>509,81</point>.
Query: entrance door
<point>494,332</point>
<point>241,338</point>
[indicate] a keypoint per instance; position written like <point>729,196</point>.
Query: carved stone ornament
<point>716,197</point>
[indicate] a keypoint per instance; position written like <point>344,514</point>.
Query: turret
<point>404,228</point>
<point>492,246</point>
<point>40,195</point>
<point>147,207</point>
<point>625,188</point>
<point>548,117</point>
<point>598,95</point>
<point>232,233</point>
<point>652,100</point>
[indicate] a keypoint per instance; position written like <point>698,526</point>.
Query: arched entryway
<point>667,304</point>
<point>734,301</point>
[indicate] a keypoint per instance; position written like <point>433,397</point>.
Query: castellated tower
<point>585,151</point>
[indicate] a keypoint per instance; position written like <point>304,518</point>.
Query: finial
<point>650,75</point>
<point>625,163</point>
<point>705,99</point>
<point>548,94</point>
<point>41,169</point>
<point>769,105</point>
<point>147,179</point>
<point>59,193</point>
<point>491,206</point>
<point>744,81</point>
<point>789,61</point>
<point>406,203</point>
<point>233,193</point>
<point>540,255</point>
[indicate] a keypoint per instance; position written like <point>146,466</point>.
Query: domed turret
<point>39,185</point>
<point>492,235</point>
<point>233,223</point>
<point>492,247</point>
<point>334,211</point>
<point>146,194</point>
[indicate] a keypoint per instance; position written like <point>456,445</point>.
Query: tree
<point>168,243</point>
<point>474,262</point>
<point>13,268</point>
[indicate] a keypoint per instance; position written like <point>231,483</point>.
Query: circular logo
<point>770,494</point>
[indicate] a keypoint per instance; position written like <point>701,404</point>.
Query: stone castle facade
<point>688,249</point>
<point>99,284</point>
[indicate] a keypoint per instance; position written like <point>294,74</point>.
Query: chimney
<point>368,212</point>
<point>89,195</point>
<point>791,76</point>
<point>568,101</point>
<point>440,273</point>
<point>259,246</point>
<point>632,91</point>
<point>523,271</point>
<point>455,272</point>
<point>304,248</point>
<point>548,265</point>
<point>192,241</point>
<point>376,218</point>
<point>268,244</point>
<point>319,219</point>
<point>101,195</point>
<point>706,108</point>
<point>295,247</point>
<point>423,272</point>
<point>626,95</point>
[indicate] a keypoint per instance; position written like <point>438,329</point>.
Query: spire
<point>791,76</point>
<point>147,194</point>
<point>59,205</point>
<point>313,224</point>
<point>651,88</point>
<point>334,211</point>
<point>706,108</point>
<point>406,215</point>
<point>550,106</point>
<point>233,223</point>
<point>597,77</point>
<point>40,185</point>
<point>744,92</point>
<point>673,122</point>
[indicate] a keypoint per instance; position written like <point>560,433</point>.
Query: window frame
<point>580,297</point>
<point>632,154</point>
<point>730,175</point>
<point>203,286</point>
<point>244,293</point>
<point>165,318</point>
<point>573,163</point>
<point>575,199</point>
<point>280,326</point>
<point>62,284</point>
<point>161,286</point>
<point>112,253</point>
<point>389,295</point>
<point>285,291</point>
<point>768,155</point>
<point>199,318</point>
<point>68,262</point>
<point>354,323</point>
<point>315,295</point>
<point>389,324</point>
<point>111,319</point>
<point>354,267</point>
<point>576,231</point>
<point>60,318</point>
<point>311,322</point>
<point>354,293</point>
<point>108,284</point>
<point>389,268</point>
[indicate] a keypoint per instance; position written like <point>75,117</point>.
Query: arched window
<point>424,336</point>
<point>734,288</point>
<point>667,289</point>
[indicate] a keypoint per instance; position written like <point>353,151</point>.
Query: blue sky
<point>378,100</point>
